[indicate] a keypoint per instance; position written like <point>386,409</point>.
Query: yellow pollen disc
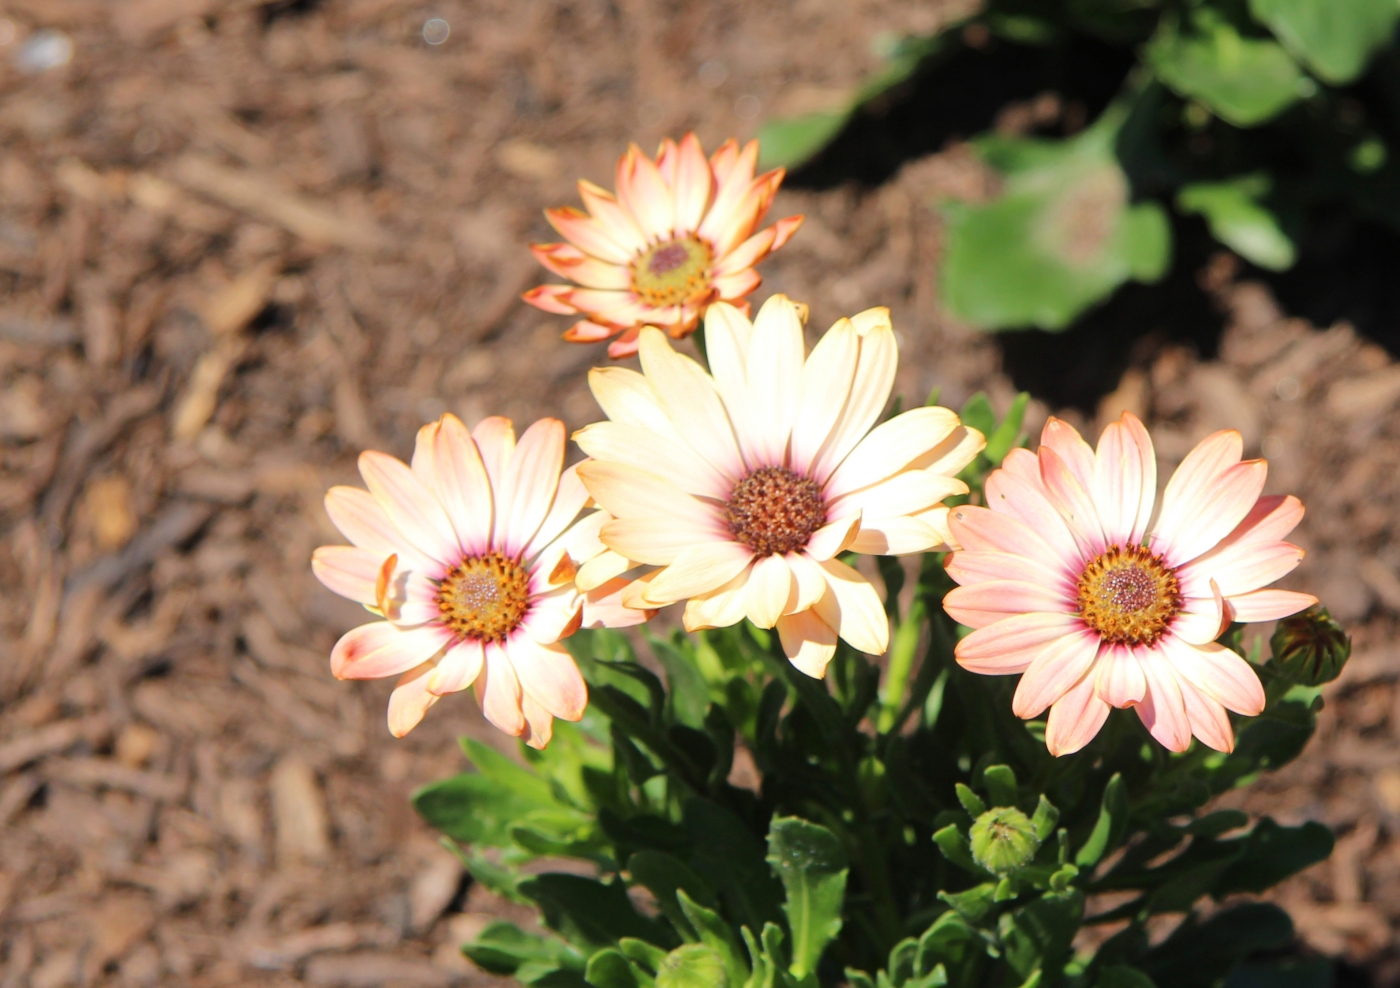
<point>774,510</point>
<point>673,272</point>
<point>1129,596</point>
<point>484,597</point>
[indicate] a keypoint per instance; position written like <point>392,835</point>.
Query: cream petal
<point>1194,480</point>
<point>1071,448</point>
<point>554,615</point>
<point>1208,719</point>
<point>569,500</point>
<point>646,449</point>
<point>897,536</point>
<point>808,642</point>
<point>603,607</point>
<point>1269,605</point>
<point>937,519</point>
<point>548,674</point>
<point>822,393</point>
<point>528,487</point>
<point>718,608</point>
<point>691,401</point>
<point>1120,482</point>
<point>834,537</point>
<point>600,569</point>
<point>1008,492</point>
<point>727,335</point>
<point>1201,526</point>
<point>653,541</point>
<point>1009,645</point>
<point>1202,619</point>
<point>1058,667</point>
<point>498,692</point>
<point>890,447</point>
<point>982,529</point>
<point>410,700</point>
<point>1162,711</point>
<point>808,581</point>
<point>462,485</point>
<point>374,651</point>
<point>348,571</point>
<point>853,608</point>
<point>767,590</point>
<point>1119,678</point>
<point>1217,672</point>
<point>495,441</point>
<point>1075,718</point>
<point>626,397</point>
<point>698,569</point>
<point>1073,502</point>
<point>457,669</point>
<point>904,493</point>
<point>981,604</point>
<point>959,448</point>
<point>774,373</point>
<point>870,390</point>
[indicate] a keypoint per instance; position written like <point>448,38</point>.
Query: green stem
<point>902,649</point>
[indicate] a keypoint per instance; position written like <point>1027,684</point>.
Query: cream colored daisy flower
<point>744,486</point>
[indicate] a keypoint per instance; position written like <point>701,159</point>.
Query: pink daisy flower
<point>678,235</point>
<point>469,556</point>
<point>1067,583</point>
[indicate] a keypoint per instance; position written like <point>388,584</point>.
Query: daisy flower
<point>678,235</point>
<point>742,487</point>
<point>1067,583</point>
<point>469,556</point>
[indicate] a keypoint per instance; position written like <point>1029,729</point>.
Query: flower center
<point>484,597</point>
<point>673,272</point>
<point>1128,595</point>
<point>774,510</point>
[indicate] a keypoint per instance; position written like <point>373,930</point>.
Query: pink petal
<point>784,229</point>
<point>732,287</point>
<point>569,500</point>
<point>974,566</point>
<point>1240,568</point>
<point>746,254</point>
<point>1070,447</point>
<point>808,642</point>
<point>643,193</point>
<point>1075,718</point>
<point>982,529</point>
<point>551,298</point>
<point>410,700</point>
<point>554,615</point>
<point>1202,619</point>
<point>1073,502</point>
<point>498,692</point>
<point>691,187</point>
<point>1209,721</point>
<point>528,488</point>
<point>1053,672</point>
<point>374,651</point>
<point>585,331</point>
<point>1163,711</point>
<point>362,520</point>
<point>1010,493</point>
<point>1269,605</point>
<point>348,571</point>
<point>495,442</point>
<point>463,486</point>
<point>1195,480</point>
<point>608,241</point>
<point>548,674</point>
<point>1225,505</point>
<point>1118,678</point>
<point>1009,645</point>
<point>568,261</point>
<point>1270,520</point>
<point>731,214</point>
<point>457,669</point>
<point>982,604</point>
<point>539,725</point>
<point>410,506</point>
<point>613,220</point>
<point>1217,672</point>
<point>1125,471</point>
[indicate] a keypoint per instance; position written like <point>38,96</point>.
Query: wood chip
<point>105,773</point>
<point>1371,395</point>
<point>257,195</point>
<point>299,813</point>
<point>290,950</point>
<point>49,740</point>
<point>367,969</point>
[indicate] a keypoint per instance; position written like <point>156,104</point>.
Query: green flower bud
<point>1310,648</point>
<point>1003,839</point>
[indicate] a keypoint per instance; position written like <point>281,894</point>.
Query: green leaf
<point>643,954</point>
<point>692,966</point>
<point>1333,38</point>
<point>794,140</point>
<point>1047,814</point>
<point>977,413</point>
<point>1004,438</point>
<point>1111,825</point>
<point>609,969</point>
<point>502,947</point>
<point>1122,976</point>
<point>1244,81</point>
<point>970,800</point>
<point>1061,237</point>
<point>1273,852</point>
<point>812,866</point>
<point>716,933</point>
<point>1310,972</point>
<point>1232,211</point>
<point>1038,935</point>
<point>732,860</point>
<point>589,911</point>
<point>1198,954</point>
<point>664,876</point>
<point>1000,781</point>
<point>956,848</point>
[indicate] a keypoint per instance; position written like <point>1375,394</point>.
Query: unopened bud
<point>1003,839</point>
<point>1310,648</point>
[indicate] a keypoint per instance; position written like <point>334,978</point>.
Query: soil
<point>240,241</point>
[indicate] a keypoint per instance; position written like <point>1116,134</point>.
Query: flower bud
<point>1003,839</point>
<point>1310,648</point>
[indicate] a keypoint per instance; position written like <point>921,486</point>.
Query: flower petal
<point>652,451</point>
<point>774,373</point>
<point>1059,666</point>
<point>410,700</point>
<point>548,674</point>
<point>614,221</point>
<point>982,529</point>
<point>698,569</point>
<point>1118,677</point>
<point>897,536</point>
<point>890,447</point>
<point>718,608</point>
<point>498,692</point>
<point>462,485</point>
<point>973,566</point>
<point>570,498</point>
<point>643,193</point>
<point>691,401</point>
<point>853,608</point>
<point>1194,481</point>
<point>870,390</point>
<point>1070,447</point>
<point>374,651</point>
<point>834,537</point>
<point>1209,721</point>
<point>1125,473</point>
<point>1269,605</point>
<point>1204,524</point>
<point>603,607</point>
<point>822,392</point>
<point>1009,645</point>
<point>1163,711</point>
<point>904,493</point>
<point>627,397</point>
<point>610,241</point>
<point>692,184</point>
<point>1075,718</point>
<point>1240,568</point>
<point>767,590</point>
<point>808,642</point>
<point>495,441</point>
<point>529,485</point>
<point>1217,672</point>
<point>348,571</point>
<point>1010,492</point>
<point>457,669</point>
<point>1073,502</point>
<point>981,604</point>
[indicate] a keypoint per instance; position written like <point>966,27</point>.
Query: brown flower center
<point>1128,595</point>
<point>673,272</point>
<point>484,597</point>
<point>774,510</point>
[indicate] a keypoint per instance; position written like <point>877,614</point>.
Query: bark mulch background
<point>241,240</point>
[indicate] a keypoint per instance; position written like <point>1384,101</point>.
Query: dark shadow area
<point>1077,367</point>
<point>958,94</point>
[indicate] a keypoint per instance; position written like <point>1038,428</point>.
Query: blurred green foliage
<point>1249,113</point>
